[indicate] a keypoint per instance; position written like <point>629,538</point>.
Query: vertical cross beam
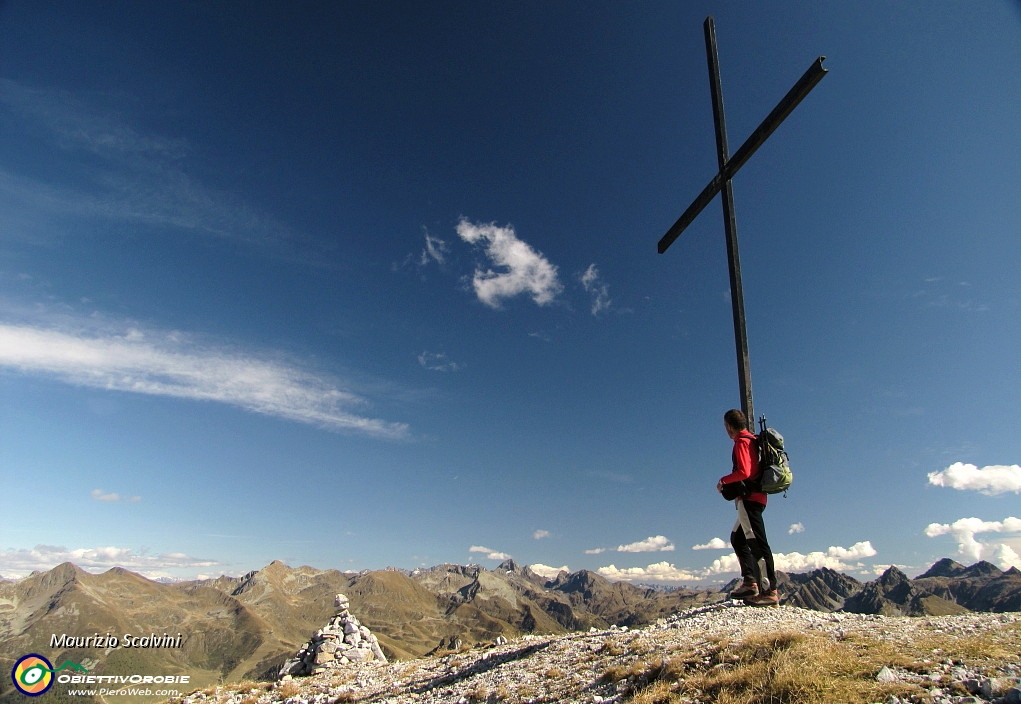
<point>720,183</point>
<point>744,372</point>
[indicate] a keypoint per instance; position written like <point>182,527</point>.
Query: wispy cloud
<point>964,531</point>
<point>490,554</point>
<point>796,528</point>
<point>435,250</point>
<point>77,121</point>
<point>521,269</point>
<point>100,495</point>
<point>991,480</point>
<point>438,362</point>
<point>167,364</point>
<point>21,563</point>
<point>597,289</point>
<point>937,292</point>
<point>132,176</point>
<point>540,534</point>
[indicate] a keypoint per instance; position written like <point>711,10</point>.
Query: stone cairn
<point>340,643</point>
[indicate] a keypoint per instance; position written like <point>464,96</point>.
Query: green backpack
<point>775,471</point>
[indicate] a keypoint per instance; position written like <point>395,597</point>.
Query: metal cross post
<point>721,183</point>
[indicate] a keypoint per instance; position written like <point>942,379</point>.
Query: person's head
<point>734,421</point>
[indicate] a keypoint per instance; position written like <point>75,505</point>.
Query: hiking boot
<point>745,591</point>
<point>770,598</point>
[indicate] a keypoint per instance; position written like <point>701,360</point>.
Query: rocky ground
<point>615,665</point>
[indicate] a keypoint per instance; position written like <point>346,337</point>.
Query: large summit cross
<point>721,183</point>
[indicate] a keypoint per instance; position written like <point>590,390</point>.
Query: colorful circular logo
<point>32,674</point>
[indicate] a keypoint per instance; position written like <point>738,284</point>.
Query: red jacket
<point>745,458</point>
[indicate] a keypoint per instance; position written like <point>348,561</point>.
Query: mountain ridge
<point>243,627</point>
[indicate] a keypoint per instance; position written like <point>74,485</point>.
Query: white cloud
<point>991,480</point>
<point>540,534</point>
<point>490,554</point>
<point>723,565</point>
<point>438,362</point>
<point>21,563</point>
<point>166,364</point>
<point>714,544</point>
<point>855,552</point>
<point>796,528</point>
<point>655,543</point>
<point>964,531</point>
<point>1007,557</point>
<point>547,571</point>
<point>835,558</point>
<point>658,572</point>
<point>521,268</point>
<point>598,289</point>
<point>100,495</point>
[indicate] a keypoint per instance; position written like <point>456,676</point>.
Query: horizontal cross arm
<point>785,107</point>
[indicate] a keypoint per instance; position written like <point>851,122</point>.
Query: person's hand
<point>719,486</point>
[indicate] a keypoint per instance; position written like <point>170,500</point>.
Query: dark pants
<point>752,548</point>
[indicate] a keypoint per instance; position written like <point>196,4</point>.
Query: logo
<point>33,674</point>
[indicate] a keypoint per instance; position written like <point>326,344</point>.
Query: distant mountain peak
<point>580,577</point>
<point>982,569</point>
<point>892,577</point>
<point>64,573</point>
<point>944,568</point>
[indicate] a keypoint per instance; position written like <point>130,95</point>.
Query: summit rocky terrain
<point>783,654</point>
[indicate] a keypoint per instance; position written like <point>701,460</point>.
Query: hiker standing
<point>749,533</point>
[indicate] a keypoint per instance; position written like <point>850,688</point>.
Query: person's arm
<point>744,462</point>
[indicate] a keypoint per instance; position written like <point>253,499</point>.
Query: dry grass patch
<point>806,668</point>
<point>614,647</point>
<point>642,672</point>
<point>794,668</point>
<point>238,687</point>
<point>288,689</point>
<point>990,647</point>
<point>774,668</point>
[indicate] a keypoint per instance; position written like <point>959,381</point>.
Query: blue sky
<point>366,284</point>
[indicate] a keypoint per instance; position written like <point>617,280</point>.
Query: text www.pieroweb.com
<point>131,685</point>
<point>125,692</point>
